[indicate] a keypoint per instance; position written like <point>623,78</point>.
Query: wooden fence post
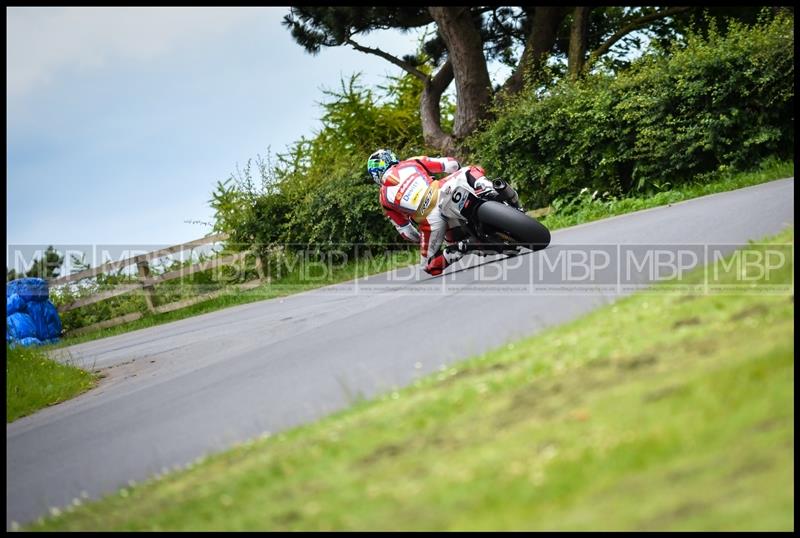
<point>260,268</point>
<point>144,275</point>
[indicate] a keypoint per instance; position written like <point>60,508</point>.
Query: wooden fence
<point>146,283</point>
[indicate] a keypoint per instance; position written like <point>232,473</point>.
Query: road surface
<point>180,390</point>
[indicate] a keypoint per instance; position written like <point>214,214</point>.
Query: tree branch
<point>633,25</point>
<point>430,109</point>
<point>503,29</point>
<point>540,41</point>
<point>393,59</point>
<point>443,77</point>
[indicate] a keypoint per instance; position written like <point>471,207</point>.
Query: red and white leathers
<point>410,196</point>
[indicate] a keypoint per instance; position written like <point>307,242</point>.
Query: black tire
<point>526,231</point>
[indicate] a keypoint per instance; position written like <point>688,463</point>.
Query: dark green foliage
<point>325,26</point>
<point>317,26</point>
<point>713,103</point>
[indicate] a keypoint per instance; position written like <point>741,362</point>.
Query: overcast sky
<point>121,120</point>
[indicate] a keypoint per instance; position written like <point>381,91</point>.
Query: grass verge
<point>33,381</point>
<point>663,411</point>
<point>587,208</point>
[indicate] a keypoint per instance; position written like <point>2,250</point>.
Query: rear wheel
<point>516,225</point>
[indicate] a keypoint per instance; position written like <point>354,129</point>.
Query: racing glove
<point>441,261</point>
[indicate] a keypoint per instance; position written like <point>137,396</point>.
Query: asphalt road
<point>195,386</point>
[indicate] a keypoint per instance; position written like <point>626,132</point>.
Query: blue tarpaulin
<point>29,289</point>
<point>14,304</point>
<point>31,318</point>
<point>45,318</point>
<point>20,326</point>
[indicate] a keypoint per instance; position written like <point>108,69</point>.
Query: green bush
<point>709,104</point>
<point>318,195</point>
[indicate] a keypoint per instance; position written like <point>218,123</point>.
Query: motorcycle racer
<point>409,196</point>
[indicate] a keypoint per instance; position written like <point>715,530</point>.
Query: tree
<point>460,30</point>
<point>543,25</point>
<point>47,266</point>
<point>317,27</point>
<point>465,38</point>
<point>626,24</point>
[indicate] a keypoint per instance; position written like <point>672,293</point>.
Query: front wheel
<point>525,231</point>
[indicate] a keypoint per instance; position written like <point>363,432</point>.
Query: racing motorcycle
<point>492,218</point>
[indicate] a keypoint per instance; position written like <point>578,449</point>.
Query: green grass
<point>588,209</point>
<point>767,171</point>
<point>663,411</point>
<point>33,381</point>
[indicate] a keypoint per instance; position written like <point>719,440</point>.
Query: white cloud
<point>43,42</point>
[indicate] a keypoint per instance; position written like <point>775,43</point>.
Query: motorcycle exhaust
<point>505,192</point>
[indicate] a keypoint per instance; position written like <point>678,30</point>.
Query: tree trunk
<point>542,38</point>
<point>431,111</point>
<point>465,52</point>
<point>578,39</point>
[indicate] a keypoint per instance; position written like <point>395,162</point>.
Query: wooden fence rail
<point>147,283</point>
